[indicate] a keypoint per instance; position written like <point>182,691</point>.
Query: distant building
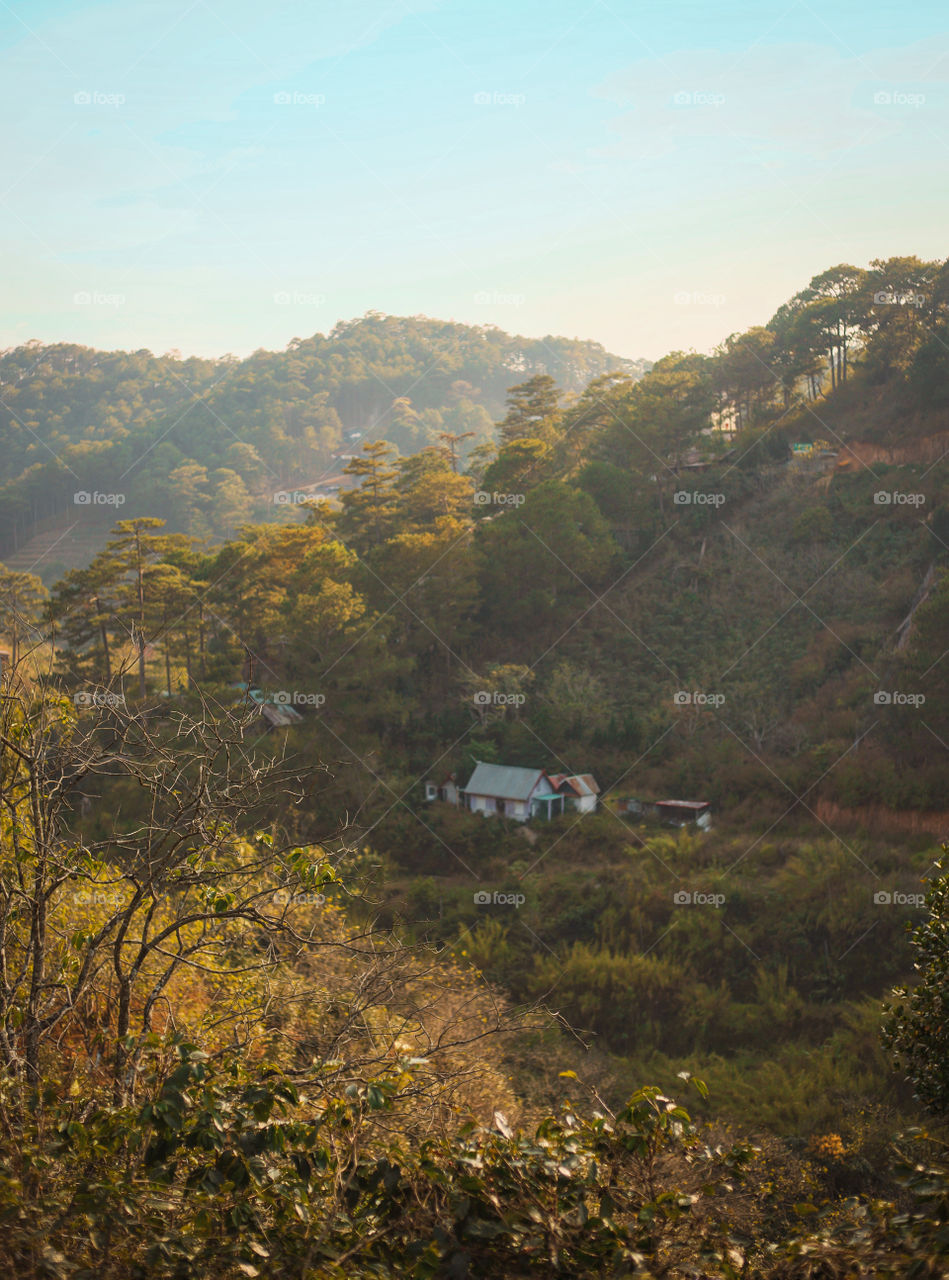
<point>693,460</point>
<point>580,790</point>
<point>446,790</point>
<point>274,715</point>
<point>512,792</point>
<point>674,813</point>
<point>814,451</point>
<point>515,792</point>
<point>278,717</point>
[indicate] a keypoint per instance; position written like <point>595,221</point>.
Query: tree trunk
<point>140,571</point>
<point>141,662</point>
<point>104,636</point>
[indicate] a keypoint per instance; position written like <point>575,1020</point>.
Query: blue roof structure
<point>505,781</point>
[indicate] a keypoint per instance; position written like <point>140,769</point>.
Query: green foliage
<point>206,444</point>
<point>222,1172</point>
<point>21,599</point>
<point>917,1028</point>
<point>624,554</point>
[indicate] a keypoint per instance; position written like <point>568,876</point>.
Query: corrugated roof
<point>582,784</point>
<point>507,781</point>
<point>685,804</point>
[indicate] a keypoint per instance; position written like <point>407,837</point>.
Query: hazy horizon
<point>219,181</point>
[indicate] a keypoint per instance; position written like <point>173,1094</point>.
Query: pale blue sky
<point>216,177</point>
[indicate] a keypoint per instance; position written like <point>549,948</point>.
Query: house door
<point>499,806</point>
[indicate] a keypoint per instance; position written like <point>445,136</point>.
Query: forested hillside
<point>207,443</point>
<point>292,973</point>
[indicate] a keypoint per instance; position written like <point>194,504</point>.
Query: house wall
<point>487,805</point>
<point>584,804</point>
<point>481,804</point>
<point>541,784</point>
<point>448,792</point>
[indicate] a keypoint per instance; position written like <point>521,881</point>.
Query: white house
<point>446,790</point>
<point>512,792</point>
<point>579,789</point>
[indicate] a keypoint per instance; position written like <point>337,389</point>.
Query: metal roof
<point>587,782</point>
<point>685,804</point>
<point>582,784</point>
<point>506,781</point>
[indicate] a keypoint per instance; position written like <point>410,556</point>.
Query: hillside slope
<point>207,443</point>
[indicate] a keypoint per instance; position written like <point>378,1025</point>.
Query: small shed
<point>580,790</point>
<point>674,813</point>
<point>274,715</point>
<point>685,813</point>
<point>446,789</point>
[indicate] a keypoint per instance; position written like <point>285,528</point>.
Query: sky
<point>220,177</point>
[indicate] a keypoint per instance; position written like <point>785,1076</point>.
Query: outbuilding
<point>674,813</point>
<point>580,790</point>
<point>446,790</point>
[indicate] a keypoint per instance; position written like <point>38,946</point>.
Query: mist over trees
<point>206,443</point>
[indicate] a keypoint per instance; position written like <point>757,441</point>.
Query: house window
<point>431,791</point>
